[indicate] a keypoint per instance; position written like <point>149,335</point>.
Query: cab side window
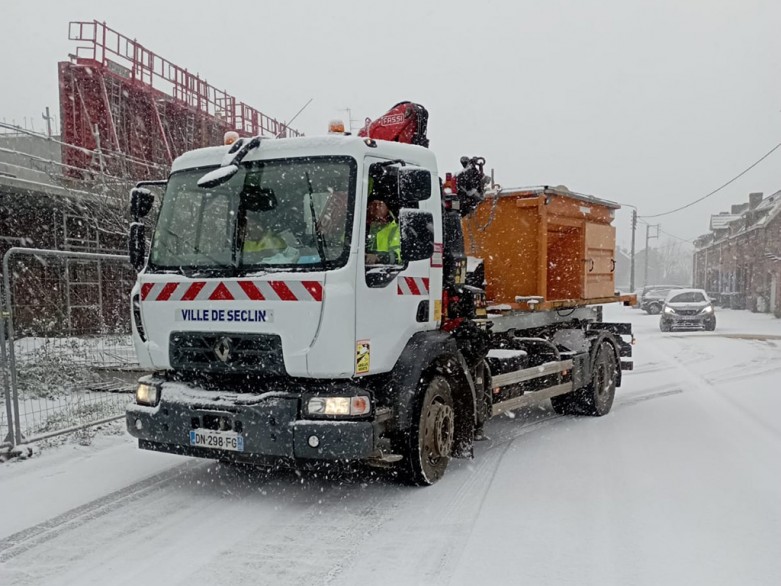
<point>383,236</point>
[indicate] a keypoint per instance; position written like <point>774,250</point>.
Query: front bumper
<point>269,423</point>
<point>688,322</point>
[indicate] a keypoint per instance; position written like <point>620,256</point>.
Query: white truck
<point>303,351</point>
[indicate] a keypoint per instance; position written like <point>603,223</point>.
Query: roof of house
<point>725,225</point>
<point>720,221</point>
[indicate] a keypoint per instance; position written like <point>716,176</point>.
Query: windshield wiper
<point>321,246</point>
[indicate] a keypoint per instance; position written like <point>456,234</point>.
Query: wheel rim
<point>438,427</point>
<point>604,378</point>
<point>601,383</point>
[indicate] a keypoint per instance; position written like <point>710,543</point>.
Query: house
<point>739,261</point>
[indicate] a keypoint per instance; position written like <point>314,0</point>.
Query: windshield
<point>287,213</point>
<point>690,297</point>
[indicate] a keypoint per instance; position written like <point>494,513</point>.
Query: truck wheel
<point>596,398</point>
<point>599,394</point>
<point>430,441</point>
<point>654,309</point>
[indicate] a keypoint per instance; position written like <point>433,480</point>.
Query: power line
<point>674,236</point>
<point>665,232</point>
<point>715,191</point>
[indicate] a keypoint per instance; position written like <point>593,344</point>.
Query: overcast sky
<point>649,103</point>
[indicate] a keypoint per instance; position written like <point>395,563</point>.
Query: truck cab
<point>260,290</point>
<point>310,300</point>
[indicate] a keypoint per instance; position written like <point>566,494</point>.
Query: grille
<point>234,353</point>
<point>688,311</point>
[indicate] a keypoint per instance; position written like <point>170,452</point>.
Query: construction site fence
<point>68,361</point>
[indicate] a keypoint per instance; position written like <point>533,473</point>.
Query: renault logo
<point>222,349</point>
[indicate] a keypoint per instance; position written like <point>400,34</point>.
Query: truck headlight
<point>339,406</point>
<point>669,310</point>
<point>148,394</point>
<point>708,309</point>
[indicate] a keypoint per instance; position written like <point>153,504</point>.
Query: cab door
<point>393,301</point>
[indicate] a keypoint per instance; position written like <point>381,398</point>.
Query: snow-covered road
<point>679,484</point>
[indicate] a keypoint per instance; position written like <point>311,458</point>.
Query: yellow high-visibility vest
<point>385,238</point>
<point>268,242</point>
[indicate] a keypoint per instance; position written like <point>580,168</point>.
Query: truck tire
<point>596,398</point>
<point>429,444</point>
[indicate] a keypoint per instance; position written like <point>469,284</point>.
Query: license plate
<point>217,440</point>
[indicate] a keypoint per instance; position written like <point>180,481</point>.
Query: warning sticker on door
<point>436,257</point>
<point>362,356</point>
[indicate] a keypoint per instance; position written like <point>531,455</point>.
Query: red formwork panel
<point>140,109</point>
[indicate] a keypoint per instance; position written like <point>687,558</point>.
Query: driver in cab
<point>383,240</point>
<point>260,241</point>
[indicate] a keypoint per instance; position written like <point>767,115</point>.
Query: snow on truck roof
<point>274,148</point>
<point>561,190</point>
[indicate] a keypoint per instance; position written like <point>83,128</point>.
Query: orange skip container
<point>545,243</point>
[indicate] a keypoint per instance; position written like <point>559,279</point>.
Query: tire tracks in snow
<point>315,546</point>
<point>490,462</point>
<point>32,537</point>
<point>767,362</point>
<point>667,390</point>
<point>479,483</point>
<point>711,383</point>
<point>768,354</point>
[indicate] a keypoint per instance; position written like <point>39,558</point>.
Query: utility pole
<point>48,119</point>
<point>350,119</point>
<point>647,238</point>
<point>632,254</point>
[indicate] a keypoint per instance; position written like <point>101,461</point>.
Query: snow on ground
<point>679,484</point>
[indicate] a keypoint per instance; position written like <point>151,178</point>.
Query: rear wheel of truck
<point>597,397</point>
<point>430,441</point>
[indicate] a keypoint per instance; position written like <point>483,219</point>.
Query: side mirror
<point>414,185</point>
<point>141,200</point>
<point>417,234</point>
<point>218,176</point>
<point>137,245</point>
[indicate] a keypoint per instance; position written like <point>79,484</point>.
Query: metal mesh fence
<point>5,428</point>
<point>70,353</point>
